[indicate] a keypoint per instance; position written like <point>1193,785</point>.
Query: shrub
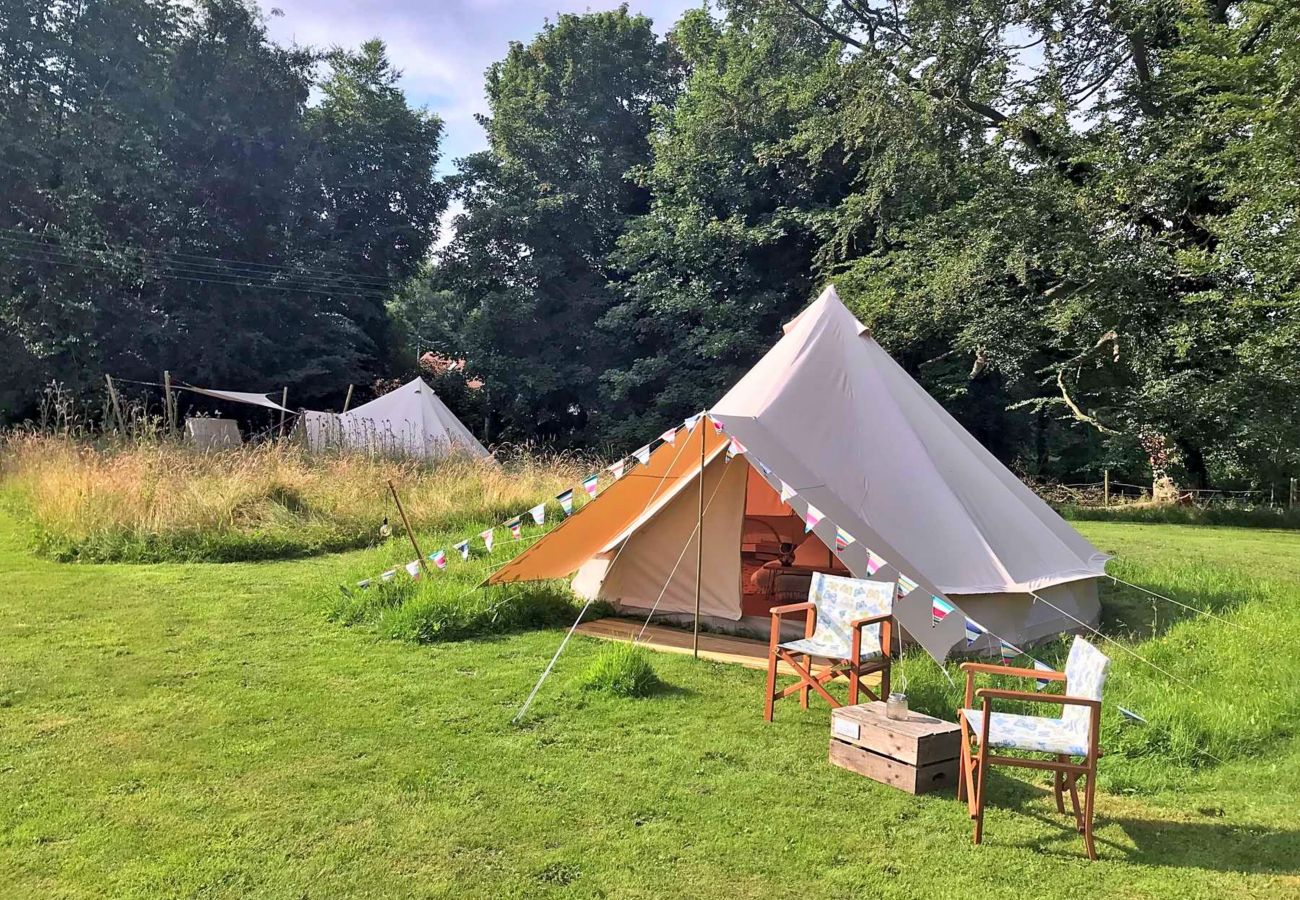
<point>623,670</point>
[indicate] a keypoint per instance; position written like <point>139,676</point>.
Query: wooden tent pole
<point>407,524</point>
<point>347,401</point>
<point>699,546</point>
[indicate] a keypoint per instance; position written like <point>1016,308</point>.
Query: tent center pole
<point>699,547</point>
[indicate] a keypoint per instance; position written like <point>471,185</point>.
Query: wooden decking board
<point>723,648</point>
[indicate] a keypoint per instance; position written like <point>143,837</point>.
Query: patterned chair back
<point>841,601</point>
<point>1085,673</point>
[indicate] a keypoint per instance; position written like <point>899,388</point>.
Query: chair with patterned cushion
<point>1072,735</point>
<point>847,621</point>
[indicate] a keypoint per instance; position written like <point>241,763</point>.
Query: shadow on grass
<point>1129,611</point>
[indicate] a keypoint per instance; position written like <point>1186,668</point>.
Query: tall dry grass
<point>158,500</point>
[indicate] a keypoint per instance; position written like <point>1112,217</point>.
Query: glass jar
<point>896,706</point>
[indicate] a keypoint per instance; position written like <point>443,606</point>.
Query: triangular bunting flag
<point>618,468</point>
<point>566,501</point>
<point>1009,652</point>
<point>786,492</point>
<point>487,539</point>
<point>1040,683</point>
<point>691,421</point>
<point>874,563</point>
<point>463,549</point>
<point>734,448</point>
<point>364,583</point>
<point>538,513</point>
<point>717,426</point>
<point>811,518</point>
<point>905,586</point>
<point>1132,715</point>
<point>842,539</point>
<point>516,527</point>
<point>589,485</point>
<point>973,632</point>
<point>939,609</point>
<point>413,568</point>
<point>439,558</point>
<point>389,575</point>
<point>643,455</point>
<point>762,467</point>
<point>669,436</point>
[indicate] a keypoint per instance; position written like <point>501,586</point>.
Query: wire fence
<point>1282,495</point>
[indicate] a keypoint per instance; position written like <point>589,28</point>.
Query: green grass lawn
<point>206,730</point>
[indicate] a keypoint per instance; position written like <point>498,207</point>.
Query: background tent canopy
<point>237,397</point>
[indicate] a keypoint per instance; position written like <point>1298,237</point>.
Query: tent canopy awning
<point>236,397</point>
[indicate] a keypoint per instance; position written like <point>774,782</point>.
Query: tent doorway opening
<point>778,557</point>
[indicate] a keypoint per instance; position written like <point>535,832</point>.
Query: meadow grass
<point>1176,514</point>
<point>155,501</point>
<point>208,730</point>
<point>623,670</point>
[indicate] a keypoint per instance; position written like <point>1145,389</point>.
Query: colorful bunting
<point>1040,683</point>
<point>691,421</point>
<point>439,558</point>
<point>538,513</point>
<point>973,631</point>
<point>413,568</point>
<point>589,485</point>
<point>734,448</point>
<point>389,575</point>
<point>905,586</point>
<point>516,527</point>
<point>762,467</point>
<point>939,609</point>
<point>618,468</point>
<point>717,426</point>
<point>487,539</point>
<point>842,539</point>
<point>463,549</point>
<point>566,502</point>
<point>643,455</point>
<point>1132,715</point>
<point>811,518</point>
<point>874,563</point>
<point>786,492</point>
<point>669,436</point>
<point>364,583</point>
<point>1009,652</point>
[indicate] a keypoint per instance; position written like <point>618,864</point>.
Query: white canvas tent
<point>829,414</point>
<point>410,421</point>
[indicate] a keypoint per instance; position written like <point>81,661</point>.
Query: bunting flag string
<point>618,468</point>
<point>538,513</point>
<point>463,549</point>
<point>566,502</point>
<point>974,630</point>
<point>875,563</point>
<point>643,455</point>
<point>905,585</point>
<point>1132,715</point>
<point>364,583</point>
<point>691,421</point>
<point>516,527</point>
<point>590,485</point>
<point>669,436</point>
<point>786,492</point>
<point>734,449</point>
<point>1009,651</point>
<point>388,576</point>
<point>439,558</point>
<point>717,426</point>
<point>1040,683</point>
<point>413,568</point>
<point>487,537</point>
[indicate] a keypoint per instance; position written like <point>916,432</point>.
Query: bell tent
<point>410,421</point>
<point>830,431</point>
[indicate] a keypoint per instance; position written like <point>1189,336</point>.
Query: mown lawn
<point>205,730</point>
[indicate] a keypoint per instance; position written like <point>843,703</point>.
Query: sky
<point>442,47</point>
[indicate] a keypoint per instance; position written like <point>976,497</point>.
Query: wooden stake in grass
<point>347,401</point>
<point>407,524</point>
<point>284,402</point>
<point>169,414</point>
<point>117,407</point>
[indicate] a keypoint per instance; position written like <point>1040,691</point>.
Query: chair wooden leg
<point>1058,783</point>
<point>771,687</point>
<point>1088,795</point>
<point>855,678</point>
<point>981,777</point>
<point>1072,781</point>
<point>884,682</point>
<point>964,761</point>
<point>803,693</point>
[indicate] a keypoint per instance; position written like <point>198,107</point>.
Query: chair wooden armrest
<point>871,620</point>
<point>778,611</point>
<point>1030,696</point>
<point>971,668</point>
<point>885,621</point>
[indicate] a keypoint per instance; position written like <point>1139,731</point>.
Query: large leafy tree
<point>171,200</point>
<point>521,288</point>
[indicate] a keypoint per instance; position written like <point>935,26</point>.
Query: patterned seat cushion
<point>1036,733</point>
<point>833,649</point>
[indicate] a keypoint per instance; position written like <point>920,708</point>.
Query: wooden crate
<point>915,755</point>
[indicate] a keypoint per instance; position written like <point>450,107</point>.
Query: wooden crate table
<point>916,755</point>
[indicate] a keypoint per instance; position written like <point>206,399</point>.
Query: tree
<point>527,274</point>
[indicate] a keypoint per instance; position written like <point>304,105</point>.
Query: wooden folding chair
<point>848,622</point>
<point>1074,734</point>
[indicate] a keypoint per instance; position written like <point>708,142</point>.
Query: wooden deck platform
<point>724,648</point>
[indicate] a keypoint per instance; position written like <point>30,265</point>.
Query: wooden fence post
<point>347,401</point>
<point>1105,481</point>
<point>169,411</point>
<point>1292,501</point>
<point>284,402</point>
<point>117,407</point>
